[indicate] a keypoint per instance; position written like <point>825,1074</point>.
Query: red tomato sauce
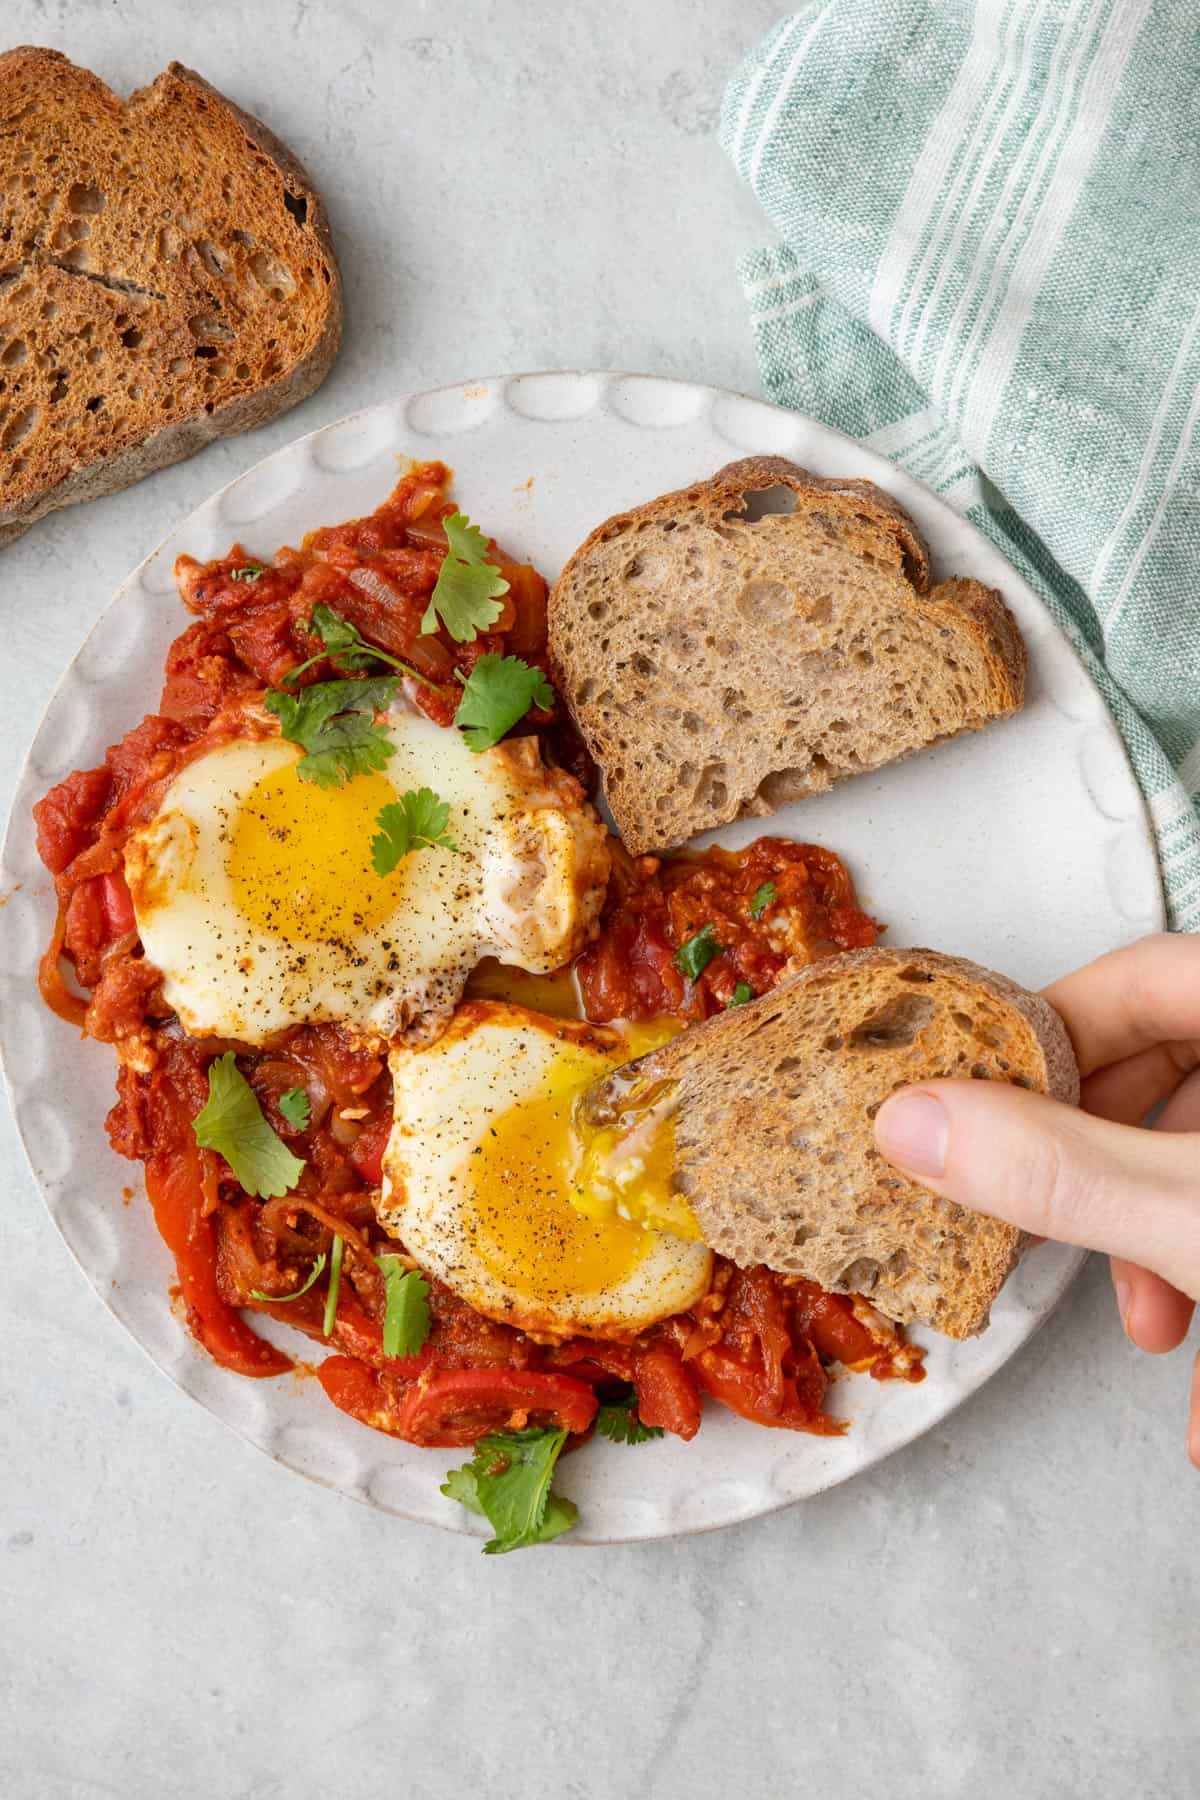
<point>776,904</point>
<point>758,1342</point>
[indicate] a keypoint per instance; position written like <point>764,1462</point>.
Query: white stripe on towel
<point>1066,183</point>
<point>785,88</point>
<point>1013,110</point>
<point>1145,467</point>
<point>786,31</point>
<point>999,244</point>
<point>962,106</point>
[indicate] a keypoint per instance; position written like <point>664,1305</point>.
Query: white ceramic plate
<point>1025,847</point>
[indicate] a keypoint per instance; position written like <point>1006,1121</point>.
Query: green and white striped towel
<point>990,271</point>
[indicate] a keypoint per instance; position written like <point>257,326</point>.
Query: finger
<point>1127,1091</point>
<point>1182,1110</point>
<point>1156,1316</point>
<point>1053,1170</point>
<point>1131,999</point>
<point>1193,1442</point>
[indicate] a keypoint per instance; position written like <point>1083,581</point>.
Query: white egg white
<point>475,1180</point>
<point>525,884</point>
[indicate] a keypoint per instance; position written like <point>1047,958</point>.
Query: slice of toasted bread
<point>167,277</point>
<point>756,637</point>
<point>773,1105</point>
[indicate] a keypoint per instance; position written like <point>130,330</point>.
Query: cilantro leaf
<point>463,1485</point>
<point>692,958</point>
<point>342,639</point>
<point>464,598</point>
<point>334,721</point>
<point>294,1105</point>
<point>508,1481</point>
<point>282,1299</point>
<point>232,1123</point>
<point>466,541</point>
<point>499,691</point>
<point>350,744</point>
<point>248,572</point>
<point>764,896</point>
<point>336,1253</point>
<point>302,714</point>
<point>741,993</point>
<point>406,1317</point>
<point>618,1419</point>
<point>417,818</point>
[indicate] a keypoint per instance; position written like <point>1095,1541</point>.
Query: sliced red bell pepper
<point>746,1390</point>
<point>366,1152</point>
<point>666,1392</point>
<point>116,905</point>
<point>174,1182</point>
<point>453,1407</point>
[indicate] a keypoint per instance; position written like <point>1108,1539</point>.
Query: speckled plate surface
<point>1025,847</point>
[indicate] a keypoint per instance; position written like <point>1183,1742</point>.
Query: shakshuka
<point>345,909</point>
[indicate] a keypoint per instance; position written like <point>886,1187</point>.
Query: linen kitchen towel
<point>990,271</point>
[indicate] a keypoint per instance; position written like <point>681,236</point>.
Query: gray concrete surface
<point>1011,1607</point>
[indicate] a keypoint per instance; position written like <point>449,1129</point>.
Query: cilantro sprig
<point>282,1299</point>
<point>233,1124</point>
<point>499,691</point>
<point>508,1481</point>
<point>694,956</point>
<point>336,1252</point>
<point>345,645</point>
<point>329,719</point>
<point>465,599</point>
<point>417,818</point>
<point>764,896</point>
<point>406,1314</point>
<point>334,723</point>
<point>296,1108</point>
<point>618,1419</point>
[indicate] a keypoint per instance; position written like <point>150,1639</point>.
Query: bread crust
<point>145,445</point>
<point>699,710</point>
<point>773,1106</point>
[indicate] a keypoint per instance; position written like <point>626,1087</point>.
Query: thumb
<point>1053,1171</point>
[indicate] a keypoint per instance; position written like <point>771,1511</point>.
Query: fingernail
<point>914,1131</point>
<point>1124,1292</point>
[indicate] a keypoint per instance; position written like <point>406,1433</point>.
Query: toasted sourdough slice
<point>166,277</point>
<point>773,1105</point>
<point>757,637</point>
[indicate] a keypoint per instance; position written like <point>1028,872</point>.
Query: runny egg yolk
<point>537,1219</point>
<point>625,1171</point>
<point>299,858</point>
<point>557,994</point>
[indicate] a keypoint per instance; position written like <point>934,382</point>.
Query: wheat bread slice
<point>756,637</point>
<point>773,1105</point>
<point>167,276</point>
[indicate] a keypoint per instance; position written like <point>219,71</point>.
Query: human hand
<point>1101,1181</point>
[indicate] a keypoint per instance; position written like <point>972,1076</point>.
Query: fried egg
<point>256,898</point>
<point>481,1179</point>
